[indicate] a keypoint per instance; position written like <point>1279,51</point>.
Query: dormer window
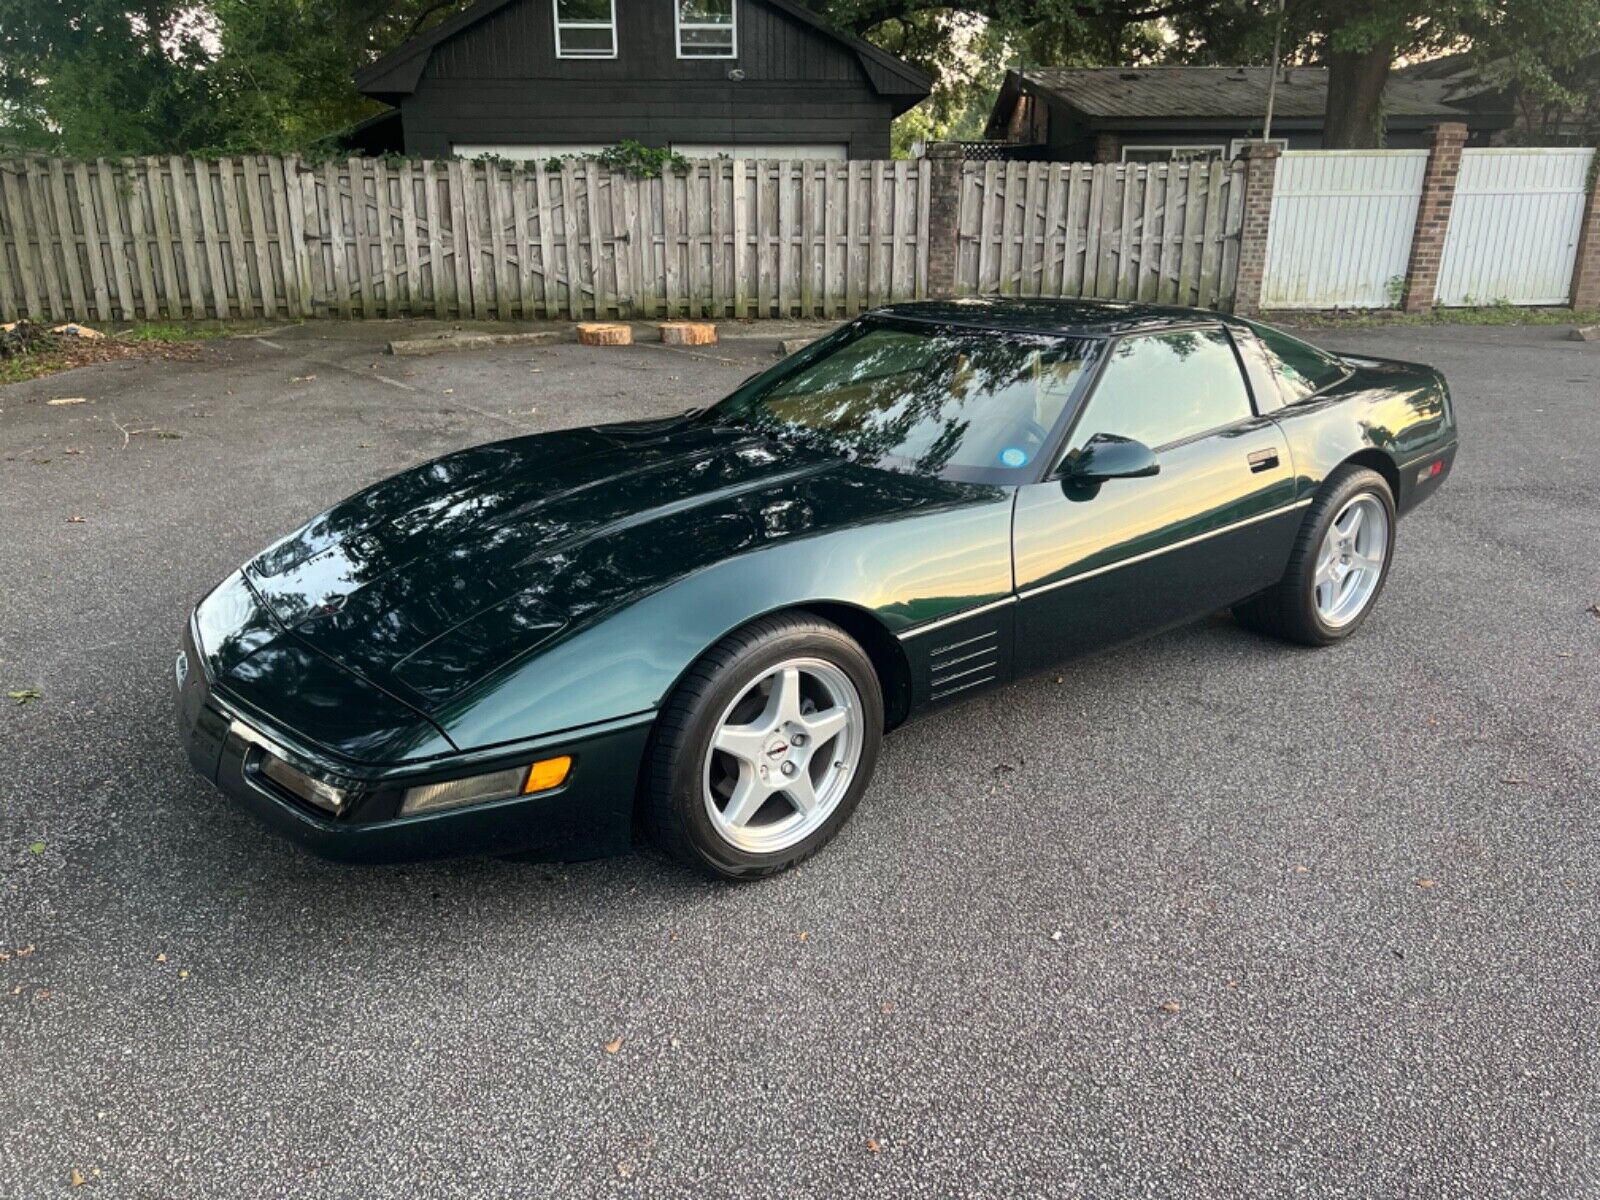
<point>706,29</point>
<point>586,28</point>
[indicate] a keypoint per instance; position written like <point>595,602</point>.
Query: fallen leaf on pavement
<point>1424,884</point>
<point>613,1046</point>
<point>805,935</point>
<point>1172,1006</point>
<point>36,848</point>
<point>874,1146</point>
<point>76,1179</point>
<point>26,950</point>
<point>75,520</point>
<point>183,974</point>
<point>162,957</point>
<point>25,695</point>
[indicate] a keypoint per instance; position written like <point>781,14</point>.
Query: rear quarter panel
<point>1401,411</point>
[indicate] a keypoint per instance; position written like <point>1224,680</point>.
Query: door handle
<point>1263,460</point>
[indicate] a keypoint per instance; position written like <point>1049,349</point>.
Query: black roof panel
<point>1089,318</point>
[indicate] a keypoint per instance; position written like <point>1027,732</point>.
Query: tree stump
<point>688,333</point>
<point>603,333</point>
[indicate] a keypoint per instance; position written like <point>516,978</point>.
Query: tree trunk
<point>1354,116</point>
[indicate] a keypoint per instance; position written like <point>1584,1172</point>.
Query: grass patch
<point>1379,318</point>
<point>29,351</point>
<point>30,366</point>
<point>186,331</point>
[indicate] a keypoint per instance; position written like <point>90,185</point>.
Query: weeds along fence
<point>270,237</point>
<point>274,237</point>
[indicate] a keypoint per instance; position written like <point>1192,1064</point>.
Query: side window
<point>586,28</point>
<point>707,29</point>
<point>1164,388</point>
<point>1301,368</point>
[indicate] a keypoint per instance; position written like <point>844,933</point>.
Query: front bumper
<point>589,816</point>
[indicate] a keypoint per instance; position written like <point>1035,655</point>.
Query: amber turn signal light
<point>551,773</point>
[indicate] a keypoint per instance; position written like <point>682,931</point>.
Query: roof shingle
<point>1143,92</point>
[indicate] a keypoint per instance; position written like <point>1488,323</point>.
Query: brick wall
<point>1433,215</point>
<point>1261,170</point>
<point>1586,271</point>
<point>944,217</point>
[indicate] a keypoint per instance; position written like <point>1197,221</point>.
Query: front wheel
<point>1337,568</point>
<point>765,748</point>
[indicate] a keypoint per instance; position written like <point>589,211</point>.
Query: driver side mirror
<point>1107,456</point>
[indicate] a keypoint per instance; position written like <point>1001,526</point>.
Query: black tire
<point>1288,609</point>
<point>674,800</point>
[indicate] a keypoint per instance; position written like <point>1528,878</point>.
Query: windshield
<point>964,404</point>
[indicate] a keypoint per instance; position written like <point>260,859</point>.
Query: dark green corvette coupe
<point>701,627</point>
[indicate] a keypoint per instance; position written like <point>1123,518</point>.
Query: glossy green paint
<point>529,595</point>
<point>551,582</point>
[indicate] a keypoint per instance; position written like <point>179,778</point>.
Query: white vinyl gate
<point>1341,230</point>
<point>1514,224</point>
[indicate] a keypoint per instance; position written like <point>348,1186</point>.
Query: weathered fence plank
<point>93,243</point>
<point>11,303</point>
<point>264,236</point>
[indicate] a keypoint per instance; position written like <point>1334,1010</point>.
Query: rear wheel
<point>1337,568</point>
<point>764,749</point>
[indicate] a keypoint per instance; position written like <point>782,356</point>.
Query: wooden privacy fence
<point>1156,232</point>
<point>269,237</point>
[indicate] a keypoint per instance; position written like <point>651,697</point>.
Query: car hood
<point>426,583</point>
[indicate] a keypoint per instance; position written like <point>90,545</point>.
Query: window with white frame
<point>707,29</point>
<point>586,28</point>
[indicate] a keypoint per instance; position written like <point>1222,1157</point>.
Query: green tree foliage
<point>968,47</point>
<point>97,77</point>
<point>1534,46</point>
<point>107,77</point>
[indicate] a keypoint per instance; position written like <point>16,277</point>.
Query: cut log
<point>599,333</point>
<point>688,333</point>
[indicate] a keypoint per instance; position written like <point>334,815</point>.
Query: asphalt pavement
<point>1208,916</point>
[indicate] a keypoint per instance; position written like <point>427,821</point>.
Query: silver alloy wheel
<point>783,755</point>
<point>1350,563</point>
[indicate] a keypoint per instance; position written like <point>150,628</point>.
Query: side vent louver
<point>963,664</point>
